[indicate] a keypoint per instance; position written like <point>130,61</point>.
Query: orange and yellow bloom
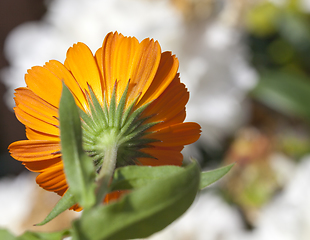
<point>147,77</point>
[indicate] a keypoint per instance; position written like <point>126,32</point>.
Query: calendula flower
<point>129,93</point>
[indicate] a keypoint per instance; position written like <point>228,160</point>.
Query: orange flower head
<point>136,78</point>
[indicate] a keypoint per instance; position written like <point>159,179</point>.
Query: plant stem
<point>106,172</point>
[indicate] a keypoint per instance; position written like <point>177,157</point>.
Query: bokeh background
<point>247,67</point>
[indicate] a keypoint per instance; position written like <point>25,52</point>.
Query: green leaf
<point>130,177</point>
<point>6,235</point>
<point>79,168</point>
<point>209,177</point>
<point>67,201</point>
<point>285,92</point>
<point>43,235</point>
<point>144,211</point>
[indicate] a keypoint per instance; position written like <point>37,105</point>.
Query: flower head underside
<point>129,93</point>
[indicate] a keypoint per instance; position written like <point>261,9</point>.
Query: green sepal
<point>88,124</point>
<point>131,121</point>
<point>140,130</point>
<point>105,109</point>
<point>209,177</point>
<point>128,111</point>
<point>78,167</point>
<point>143,211</point>
<point>112,107</point>
<point>67,201</point>
<point>97,111</point>
<point>141,142</point>
<point>121,108</point>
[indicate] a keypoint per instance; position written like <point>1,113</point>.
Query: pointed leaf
<point>63,204</point>
<point>209,177</point>
<point>79,169</point>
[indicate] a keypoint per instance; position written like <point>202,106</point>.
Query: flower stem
<point>106,172</point>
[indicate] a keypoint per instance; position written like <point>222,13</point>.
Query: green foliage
<point>145,210</point>
<point>131,177</point>
<point>209,177</point>
<point>43,236</point>
<point>279,36</point>
<point>79,169</point>
<point>286,92</point>
<point>6,235</point>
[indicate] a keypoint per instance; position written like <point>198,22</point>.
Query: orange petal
<point>41,166</point>
<point>98,58</point>
<point>83,66</point>
<point>166,72</point>
<point>115,47</point>
<point>169,107</point>
<point>36,123</point>
<point>123,59</point>
<point>176,135</point>
<point>53,179</point>
<point>179,118</point>
<point>59,70</point>
<point>44,84</point>
<point>36,135</point>
<point>114,196</point>
<point>35,106</point>
<point>145,64</point>
<point>35,150</point>
<point>164,156</point>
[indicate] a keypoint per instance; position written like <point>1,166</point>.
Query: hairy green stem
<point>106,172</point>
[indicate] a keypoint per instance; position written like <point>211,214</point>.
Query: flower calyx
<point>115,125</point>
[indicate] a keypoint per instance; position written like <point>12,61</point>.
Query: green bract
<point>115,124</point>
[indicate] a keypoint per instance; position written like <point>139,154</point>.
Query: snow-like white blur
<point>23,204</point>
<point>212,56</point>
<point>15,201</point>
<point>209,218</point>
